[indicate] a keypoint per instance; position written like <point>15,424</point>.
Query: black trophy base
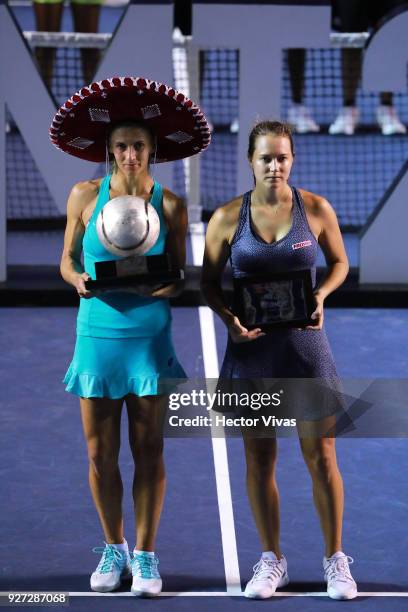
<point>275,300</point>
<point>130,272</point>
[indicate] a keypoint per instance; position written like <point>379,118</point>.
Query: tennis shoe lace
<point>267,569</point>
<point>145,566</point>
<point>338,569</point>
<point>111,557</point>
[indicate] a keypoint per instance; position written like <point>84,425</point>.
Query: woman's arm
<point>175,214</point>
<point>331,243</point>
<point>220,231</point>
<point>71,268</point>
<point>216,253</point>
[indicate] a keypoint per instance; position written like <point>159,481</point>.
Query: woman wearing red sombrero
<point>124,347</point>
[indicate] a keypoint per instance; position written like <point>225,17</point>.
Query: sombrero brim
<point>81,125</point>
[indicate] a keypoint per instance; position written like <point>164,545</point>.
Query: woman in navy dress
<point>277,228</point>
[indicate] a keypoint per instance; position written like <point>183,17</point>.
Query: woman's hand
<point>317,314</point>
<point>239,333</point>
<point>79,285</point>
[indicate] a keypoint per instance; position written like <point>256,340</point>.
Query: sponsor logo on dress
<point>301,245</point>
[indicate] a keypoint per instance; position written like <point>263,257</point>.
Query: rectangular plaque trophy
<point>275,300</point>
<point>129,272</point>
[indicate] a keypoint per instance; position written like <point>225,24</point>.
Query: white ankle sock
<point>122,547</point>
<point>338,553</point>
<point>144,552</point>
<point>269,554</point>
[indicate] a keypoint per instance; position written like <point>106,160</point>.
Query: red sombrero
<point>81,125</point>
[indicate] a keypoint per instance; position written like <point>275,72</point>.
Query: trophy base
<point>275,300</point>
<point>130,272</point>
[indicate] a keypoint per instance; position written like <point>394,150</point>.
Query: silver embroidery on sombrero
<point>80,143</point>
<point>99,114</point>
<point>180,137</point>
<point>150,111</point>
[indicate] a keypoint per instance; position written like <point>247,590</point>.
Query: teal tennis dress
<point>124,342</point>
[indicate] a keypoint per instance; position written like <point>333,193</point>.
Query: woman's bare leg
<point>48,19</point>
<point>296,64</point>
<point>86,19</point>
<point>351,62</point>
<point>320,457</point>
<point>261,454</point>
<point>146,418</point>
<point>101,423</point>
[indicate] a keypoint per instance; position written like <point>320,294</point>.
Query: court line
<point>219,445</point>
<point>237,594</point>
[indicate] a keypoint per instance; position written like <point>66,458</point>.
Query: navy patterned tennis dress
<point>282,353</point>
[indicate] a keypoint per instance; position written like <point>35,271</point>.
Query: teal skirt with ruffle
<point>115,367</point>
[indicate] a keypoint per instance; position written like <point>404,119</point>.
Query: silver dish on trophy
<point>128,227</point>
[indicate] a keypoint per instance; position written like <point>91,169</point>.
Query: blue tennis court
<point>49,525</point>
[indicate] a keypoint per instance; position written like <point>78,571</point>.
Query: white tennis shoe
<point>234,126</point>
<point>146,578</point>
<point>340,582</point>
<point>269,575</point>
<point>112,568</point>
<point>389,121</point>
<point>301,119</point>
<point>346,121</point>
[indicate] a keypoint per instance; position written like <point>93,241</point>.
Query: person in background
<point>48,17</point>
<point>299,116</point>
<point>359,16</point>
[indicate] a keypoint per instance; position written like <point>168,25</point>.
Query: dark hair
<point>262,128</point>
<point>130,123</point>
